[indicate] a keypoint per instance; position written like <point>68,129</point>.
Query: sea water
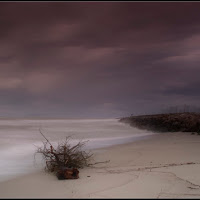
<point>20,138</point>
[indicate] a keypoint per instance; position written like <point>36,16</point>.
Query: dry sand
<point>165,166</point>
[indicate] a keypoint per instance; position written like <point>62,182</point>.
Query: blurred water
<point>19,138</point>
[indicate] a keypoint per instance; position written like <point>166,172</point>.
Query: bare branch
<point>64,155</point>
<point>44,137</point>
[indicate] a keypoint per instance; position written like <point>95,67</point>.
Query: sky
<point>98,59</point>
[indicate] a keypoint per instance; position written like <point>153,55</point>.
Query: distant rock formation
<point>184,122</point>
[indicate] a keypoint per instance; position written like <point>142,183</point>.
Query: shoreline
<point>165,165</point>
<point>95,150</point>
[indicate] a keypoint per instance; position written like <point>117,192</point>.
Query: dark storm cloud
<point>97,59</point>
<point>189,90</point>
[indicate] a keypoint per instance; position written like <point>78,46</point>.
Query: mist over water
<point>19,138</point>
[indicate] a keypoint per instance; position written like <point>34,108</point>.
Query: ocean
<point>19,139</point>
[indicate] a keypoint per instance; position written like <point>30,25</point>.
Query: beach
<point>116,82</point>
<point>165,165</point>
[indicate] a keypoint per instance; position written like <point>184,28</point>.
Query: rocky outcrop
<point>184,122</point>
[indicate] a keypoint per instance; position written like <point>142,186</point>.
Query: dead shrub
<point>64,155</point>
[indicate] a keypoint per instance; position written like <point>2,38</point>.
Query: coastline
<point>171,122</point>
<point>165,165</point>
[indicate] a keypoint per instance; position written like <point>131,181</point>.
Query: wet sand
<point>166,165</point>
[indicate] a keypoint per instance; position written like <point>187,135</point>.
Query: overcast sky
<point>98,59</point>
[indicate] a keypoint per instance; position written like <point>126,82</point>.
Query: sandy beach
<point>166,165</point>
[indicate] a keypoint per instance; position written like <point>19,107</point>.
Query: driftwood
<point>67,173</point>
<point>64,160</point>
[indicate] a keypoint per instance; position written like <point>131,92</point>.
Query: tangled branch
<point>64,155</point>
